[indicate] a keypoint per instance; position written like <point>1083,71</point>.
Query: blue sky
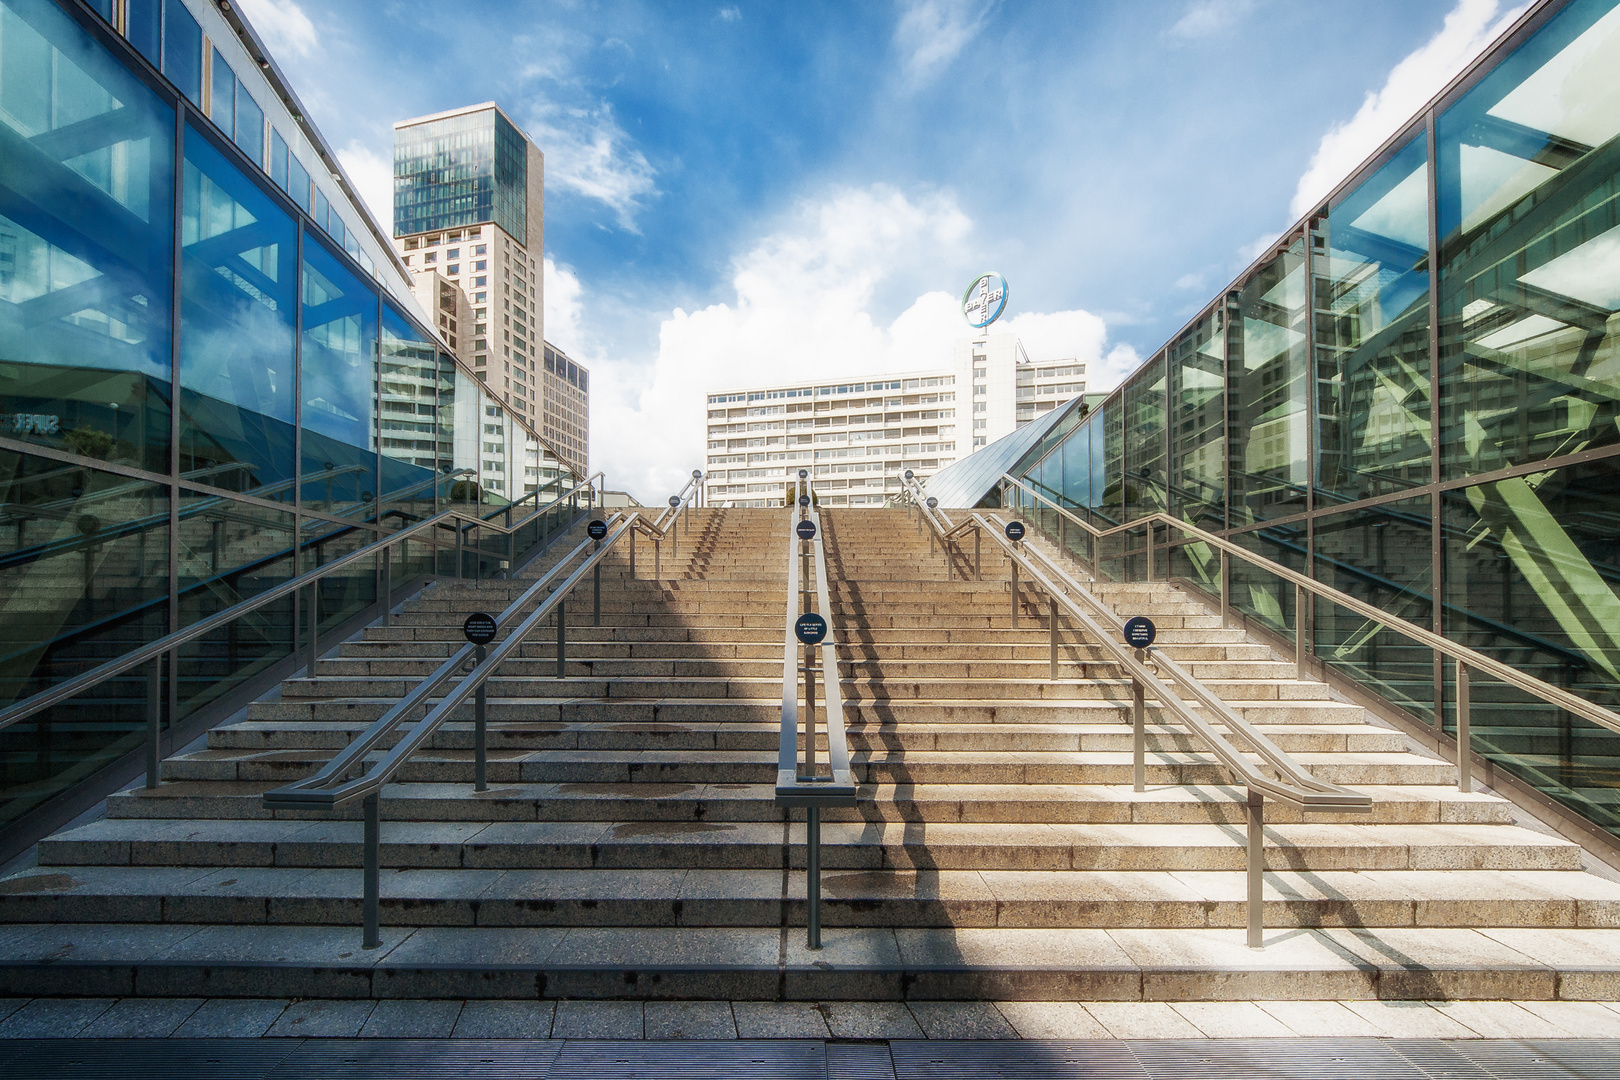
<point>742,192</point>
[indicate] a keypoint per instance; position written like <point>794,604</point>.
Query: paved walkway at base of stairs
<point>310,1018</point>
<point>1342,1058</point>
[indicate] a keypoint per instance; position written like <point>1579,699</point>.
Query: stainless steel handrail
<point>152,652</point>
<point>667,524</point>
<point>332,787</point>
<point>1466,659</point>
<point>1293,784</point>
<point>800,783</point>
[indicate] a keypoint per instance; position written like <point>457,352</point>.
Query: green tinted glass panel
<point>1270,392</point>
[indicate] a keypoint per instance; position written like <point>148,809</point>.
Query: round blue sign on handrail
<point>1140,631</point>
<point>596,529</point>
<point>806,529</point>
<point>810,628</point>
<point>1015,531</point>
<point>674,500</point>
<point>804,500</point>
<point>479,628</point>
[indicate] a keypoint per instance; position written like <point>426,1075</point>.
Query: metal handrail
<point>667,524</point>
<point>804,786</point>
<point>1293,784</point>
<point>1466,660</point>
<point>153,651</point>
<point>332,787</point>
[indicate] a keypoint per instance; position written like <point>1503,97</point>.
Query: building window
<point>431,257</point>
<point>479,283</point>
<point>452,269</point>
<point>479,249</point>
<point>481,264</point>
<point>453,253</point>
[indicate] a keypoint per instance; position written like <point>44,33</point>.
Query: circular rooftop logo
<point>985,300</point>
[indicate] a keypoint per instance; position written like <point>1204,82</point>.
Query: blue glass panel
<point>222,96</point>
<point>1269,372</point>
<point>409,405</point>
<point>182,50</point>
<point>239,281</point>
<point>249,127</point>
<point>278,159</point>
<point>298,182</point>
<point>86,174</point>
<point>104,8</point>
<point>143,25</point>
<point>1370,271</point>
<point>338,373</point>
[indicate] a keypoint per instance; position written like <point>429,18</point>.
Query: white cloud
<point>931,33</point>
<point>803,307</point>
<point>588,153</point>
<point>283,26</point>
<point>372,174</point>
<point>564,311</point>
<point>1468,29</point>
<point>1206,18</point>
<point>731,14</point>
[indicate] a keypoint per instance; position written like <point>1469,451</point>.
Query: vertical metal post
<point>1014,566</point>
<point>1226,588</point>
<point>387,590</point>
<point>154,721</point>
<point>458,548</point>
<point>1150,552</point>
<point>812,876</point>
<point>314,626</point>
<point>596,584</point>
<point>976,537</point>
<point>632,538</point>
<point>511,545</point>
<point>371,857</point>
<point>1257,862</point>
<point>1465,759</point>
<point>810,713</point>
<point>658,573</point>
<point>1299,631</point>
<point>1051,617</point>
<point>1138,733</point>
<point>480,706</point>
<point>562,633</point>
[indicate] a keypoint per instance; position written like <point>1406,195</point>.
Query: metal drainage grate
<point>1022,1059</point>
<point>804,1059</point>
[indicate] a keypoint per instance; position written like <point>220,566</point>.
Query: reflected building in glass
<point>214,373</point>
<point>1413,397</point>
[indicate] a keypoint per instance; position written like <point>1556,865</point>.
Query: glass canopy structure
<point>213,372</point>
<point>1414,397</point>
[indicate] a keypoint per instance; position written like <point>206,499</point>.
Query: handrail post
<point>154,721</point>
<point>1051,618</point>
<point>1150,551</point>
<point>371,858</point>
<point>458,548</point>
<point>480,705</point>
<point>1138,732</point>
<point>596,618</point>
<point>658,544</point>
<point>632,553</point>
<point>562,634</point>
<point>1465,759</point>
<point>387,591</point>
<point>1226,589</point>
<point>314,627</point>
<point>1257,859</point>
<point>1299,631</point>
<point>812,867</point>
<point>1014,566</point>
<point>977,535</point>
<point>810,713</point>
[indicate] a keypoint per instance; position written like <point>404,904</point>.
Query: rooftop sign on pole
<point>984,300</point>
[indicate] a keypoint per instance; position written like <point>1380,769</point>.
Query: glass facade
<point>1415,399</point>
<point>203,391</point>
<point>461,170</point>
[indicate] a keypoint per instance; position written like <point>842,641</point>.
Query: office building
<point>217,373</point>
<point>863,435</point>
<point>469,203</point>
<point>857,437</point>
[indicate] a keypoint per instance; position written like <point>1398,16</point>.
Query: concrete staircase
<point>629,845</point>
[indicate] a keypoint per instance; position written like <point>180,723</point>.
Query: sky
<point>748,193</point>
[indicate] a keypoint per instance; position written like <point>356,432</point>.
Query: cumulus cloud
<point>803,303</point>
<point>731,14</point>
<point>587,152</point>
<point>372,174</point>
<point>1468,29</point>
<point>931,33</point>
<point>564,310</point>
<point>1206,18</point>
<point>282,25</point>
